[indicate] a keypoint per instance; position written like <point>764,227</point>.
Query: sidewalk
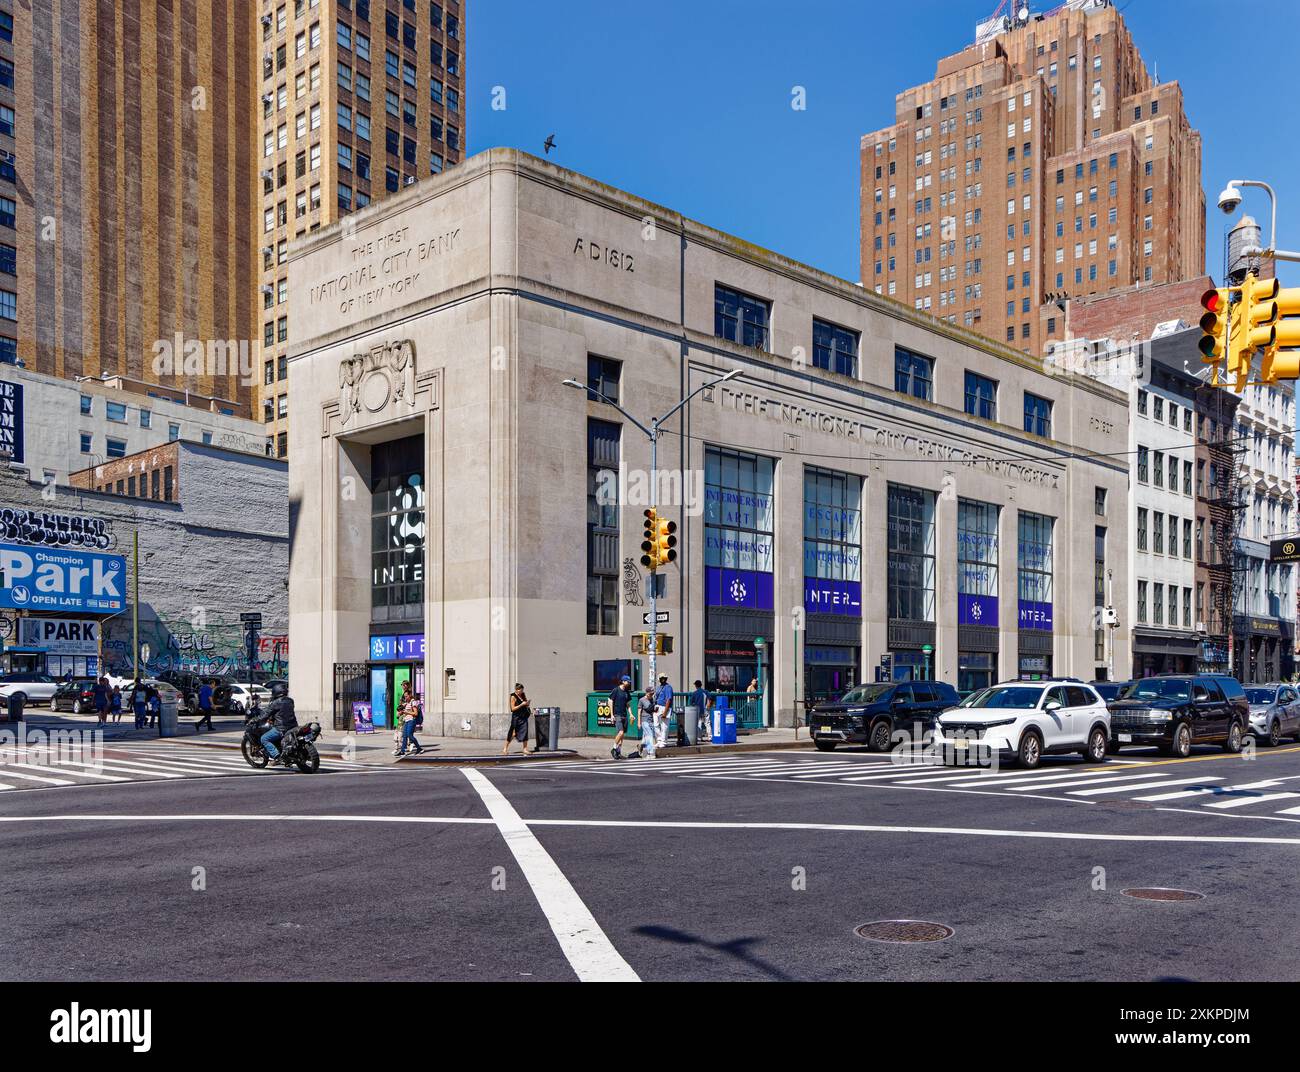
<point>378,747</point>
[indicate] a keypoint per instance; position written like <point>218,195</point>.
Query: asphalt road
<point>745,867</point>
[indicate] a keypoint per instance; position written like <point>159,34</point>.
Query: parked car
<point>1274,712</point>
<point>33,688</point>
<point>1024,720</point>
<point>1175,711</point>
<point>1109,690</point>
<point>234,698</point>
<point>870,713</point>
<point>75,696</point>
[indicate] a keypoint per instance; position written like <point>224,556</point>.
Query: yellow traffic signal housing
<point>1214,324</point>
<point>641,644</point>
<point>1277,362</point>
<point>1258,315</point>
<point>665,542</point>
<point>649,533</point>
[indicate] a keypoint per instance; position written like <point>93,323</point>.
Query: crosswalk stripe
<point>1096,779</point>
<point>34,777</point>
<point>797,768</point>
<point>118,767</point>
<point>1242,801</point>
<point>1290,811</point>
<point>4,787</point>
<point>80,774</point>
<point>837,772</point>
<point>174,765</point>
<point>1201,790</point>
<point>1146,785</point>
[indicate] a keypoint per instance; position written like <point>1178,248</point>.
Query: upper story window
<point>740,317</point>
<point>1038,415</point>
<point>913,374</point>
<point>835,348</point>
<point>981,396</point>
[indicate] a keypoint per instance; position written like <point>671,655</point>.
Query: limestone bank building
<point>874,486</point>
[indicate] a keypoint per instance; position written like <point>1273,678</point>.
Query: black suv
<point>869,714</point>
<point>1175,711</point>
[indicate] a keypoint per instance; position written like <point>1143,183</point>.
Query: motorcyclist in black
<point>280,712</point>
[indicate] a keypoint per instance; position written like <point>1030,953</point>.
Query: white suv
<point>1023,720</point>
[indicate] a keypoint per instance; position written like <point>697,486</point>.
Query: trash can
<point>547,728</point>
<point>166,717</point>
<point>15,707</point>
<point>691,718</point>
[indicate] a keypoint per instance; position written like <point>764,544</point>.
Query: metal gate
<point>351,684</point>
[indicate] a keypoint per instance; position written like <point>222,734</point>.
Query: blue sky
<point>688,103</point>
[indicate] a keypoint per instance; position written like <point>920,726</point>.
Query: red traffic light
<point>1212,300</point>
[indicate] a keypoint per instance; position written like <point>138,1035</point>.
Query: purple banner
<point>977,610</point>
<point>825,596</point>
<point>1035,615</point>
<point>725,587</point>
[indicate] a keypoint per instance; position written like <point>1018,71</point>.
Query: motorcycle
<point>297,747</point>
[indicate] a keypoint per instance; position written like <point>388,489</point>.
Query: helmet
<point>279,690</point>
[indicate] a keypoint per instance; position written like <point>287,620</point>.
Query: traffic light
<point>1214,324</point>
<point>665,542</point>
<point>650,530</point>
<point>1276,362</point>
<point>659,545</point>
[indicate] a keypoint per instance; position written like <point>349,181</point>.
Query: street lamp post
<point>652,433</point>
<point>1230,199</point>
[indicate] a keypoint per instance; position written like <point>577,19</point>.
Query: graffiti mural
<point>54,530</point>
<point>219,650</point>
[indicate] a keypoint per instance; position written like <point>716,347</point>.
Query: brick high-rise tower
<point>1041,161</point>
<point>358,99</point>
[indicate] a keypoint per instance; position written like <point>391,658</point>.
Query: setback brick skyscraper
<point>1042,161</point>
<point>358,99</point>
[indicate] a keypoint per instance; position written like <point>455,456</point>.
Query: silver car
<point>1274,712</point>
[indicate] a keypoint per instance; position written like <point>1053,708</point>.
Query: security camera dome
<point>1229,199</point>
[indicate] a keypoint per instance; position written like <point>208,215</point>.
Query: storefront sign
<point>61,636</point>
<point>55,530</point>
<point>978,610</point>
<point>406,646</point>
<point>823,655</point>
<point>1035,615</point>
<point>724,587</point>
<point>11,421</point>
<point>34,578</point>
<point>1287,550</point>
<point>827,596</point>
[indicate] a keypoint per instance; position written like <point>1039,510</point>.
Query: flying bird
<point>550,144</point>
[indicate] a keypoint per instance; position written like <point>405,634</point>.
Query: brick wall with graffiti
<point>214,648</point>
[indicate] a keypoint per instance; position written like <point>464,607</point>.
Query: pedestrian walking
<point>409,719</point>
<point>663,711</point>
<point>205,707</point>
<point>520,709</point>
<point>152,705</point>
<point>620,700</point>
<point>115,704</point>
<point>138,703</point>
<point>646,715</point>
<point>100,695</point>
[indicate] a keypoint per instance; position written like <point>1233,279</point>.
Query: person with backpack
<point>620,700</point>
<point>412,716</point>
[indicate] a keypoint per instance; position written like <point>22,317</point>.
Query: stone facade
<point>456,310</point>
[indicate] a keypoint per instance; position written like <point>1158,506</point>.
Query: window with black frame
<point>740,317</point>
<point>397,505</point>
<point>913,374</point>
<point>1034,582</point>
<point>911,553</point>
<point>603,439</point>
<point>834,348</point>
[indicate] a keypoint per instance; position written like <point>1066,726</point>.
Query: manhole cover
<point>904,930</point>
<point>1159,893</point>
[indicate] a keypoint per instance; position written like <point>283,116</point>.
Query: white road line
<point>168,765</point>
<point>1097,779</point>
<point>1290,811</point>
<point>1145,785</point>
<point>589,952</point>
<point>79,774</point>
<point>1006,777</point>
<point>4,787</point>
<point>833,772</point>
<point>1243,801</point>
<point>8,773</point>
<point>1033,835</point>
<point>119,767</point>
